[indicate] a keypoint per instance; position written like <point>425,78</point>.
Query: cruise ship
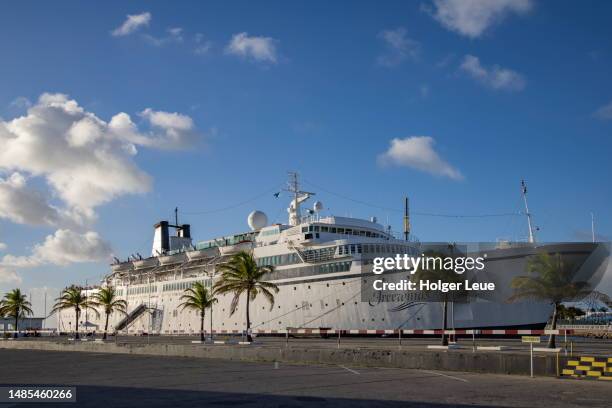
<point>321,265</point>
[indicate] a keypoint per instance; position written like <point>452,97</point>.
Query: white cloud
<point>63,248</point>
<point>85,161</point>
<point>9,277</point>
<point>23,205</point>
<point>21,102</point>
<point>472,18</point>
<point>605,112</point>
<point>175,35</point>
<point>495,77</point>
<point>177,130</point>
<point>2,246</point>
<point>399,47</point>
<point>132,23</point>
<point>203,46</point>
<point>261,49</point>
<point>418,152</point>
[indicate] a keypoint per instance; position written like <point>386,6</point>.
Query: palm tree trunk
<point>444,325</point>
<point>248,317</point>
<point>211,322</point>
<point>16,323</point>
<point>76,326</point>
<point>202,326</point>
<point>105,326</point>
<point>553,326</point>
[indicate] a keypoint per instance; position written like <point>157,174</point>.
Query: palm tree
<point>15,305</point>
<point>242,275</point>
<point>198,298</point>
<point>73,297</point>
<point>107,298</point>
<point>554,283</point>
<point>2,318</point>
<point>436,273</point>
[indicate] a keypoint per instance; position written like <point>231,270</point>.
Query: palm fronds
<point>242,275</point>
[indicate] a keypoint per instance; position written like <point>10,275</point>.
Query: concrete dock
<point>511,359</point>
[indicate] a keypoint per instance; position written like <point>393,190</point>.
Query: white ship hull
<point>333,300</point>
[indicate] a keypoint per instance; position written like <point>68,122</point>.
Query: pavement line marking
<point>348,369</point>
<point>446,375</point>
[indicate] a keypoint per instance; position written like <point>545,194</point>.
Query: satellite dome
<point>257,220</point>
<point>318,206</point>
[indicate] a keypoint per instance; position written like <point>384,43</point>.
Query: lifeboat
<point>202,253</point>
<point>232,249</point>
<point>172,259</point>
<point>146,263</point>
<point>123,266</point>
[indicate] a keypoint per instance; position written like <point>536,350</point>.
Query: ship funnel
<point>161,239</point>
<point>163,242</point>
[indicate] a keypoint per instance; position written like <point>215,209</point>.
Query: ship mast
<point>406,219</point>
<point>524,193</point>
<point>299,197</point>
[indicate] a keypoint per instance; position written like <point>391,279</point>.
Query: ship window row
<point>343,231</point>
<point>373,248</point>
<point>334,267</point>
<point>285,259</point>
<point>349,249</point>
<point>140,290</point>
<point>386,248</point>
<point>232,240</point>
<point>168,287</point>
<point>321,254</point>
<point>267,233</point>
<point>312,270</point>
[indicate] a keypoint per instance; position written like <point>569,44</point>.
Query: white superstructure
<point>319,264</point>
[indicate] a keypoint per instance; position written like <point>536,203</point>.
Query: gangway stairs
<point>129,319</point>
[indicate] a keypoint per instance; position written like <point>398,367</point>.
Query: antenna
<point>592,227</point>
<point>298,198</point>
<point>176,216</point>
<point>524,192</point>
<point>406,219</point>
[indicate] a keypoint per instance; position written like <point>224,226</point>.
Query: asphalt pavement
<point>111,380</point>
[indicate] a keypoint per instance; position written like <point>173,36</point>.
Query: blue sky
<point>238,93</point>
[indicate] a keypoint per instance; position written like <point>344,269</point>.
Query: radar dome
<point>257,220</point>
<point>318,206</point>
